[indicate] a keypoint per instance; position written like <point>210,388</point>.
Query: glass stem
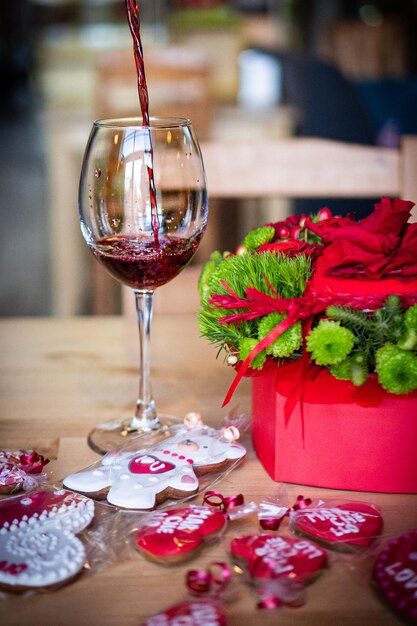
<point>145,417</point>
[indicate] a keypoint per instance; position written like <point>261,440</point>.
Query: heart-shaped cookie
<point>395,573</point>
<point>347,526</point>
<point>176,534</point>
<point>38,548</point>
<point>275,556</point>
<point>199,612</point>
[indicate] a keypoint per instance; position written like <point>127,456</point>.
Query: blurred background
<point>341,69</point>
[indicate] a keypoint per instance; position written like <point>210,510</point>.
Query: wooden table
<point>60,377</point>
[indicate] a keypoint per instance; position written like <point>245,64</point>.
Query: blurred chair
<point>179,83</point>
<point>293,168</point>
<point>328,105</point>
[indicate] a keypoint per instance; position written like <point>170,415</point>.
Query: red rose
<point>381,246</point>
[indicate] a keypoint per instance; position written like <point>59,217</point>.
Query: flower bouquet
<point>321,311</point>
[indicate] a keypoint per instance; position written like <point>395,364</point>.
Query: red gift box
<point>311,429</point>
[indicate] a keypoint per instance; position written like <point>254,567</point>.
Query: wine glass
<point>143,212</point>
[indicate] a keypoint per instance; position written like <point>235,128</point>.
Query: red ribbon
<point>269,602</point>
<point>311,303</point>
<point>216,500</point>
<point>214,578</point>
<point>32,463</point>
<point>274,521</point>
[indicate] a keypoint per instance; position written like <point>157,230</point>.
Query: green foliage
<point>410,317</point>
<point>258,237</point>
<point>287,276</point>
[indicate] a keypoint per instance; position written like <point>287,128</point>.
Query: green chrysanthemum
<point>396,369</point>
<point>288,343</point>
<point>330,343</point>
<point>257,237</point>
<point>246,345</point>
<point>410,317</point>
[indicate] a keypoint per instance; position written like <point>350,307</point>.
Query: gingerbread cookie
<point>20,469</point>
<point>266,557</point>
<point>348,526</point>
<point>395,573</point>
<point>141,480</point>
<point>174,535</point>
<point>38,548</point>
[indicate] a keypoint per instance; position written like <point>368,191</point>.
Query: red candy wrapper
<point>395,574</point>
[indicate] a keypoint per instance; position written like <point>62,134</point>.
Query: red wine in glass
<point>142,263</point>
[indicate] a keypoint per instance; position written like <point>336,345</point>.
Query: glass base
<point>131,433</point>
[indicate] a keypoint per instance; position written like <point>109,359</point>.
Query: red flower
<point>380,246</point>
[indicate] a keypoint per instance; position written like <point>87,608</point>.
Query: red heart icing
<point>351,523</point>
<point>178,532</point>
<point>395,573</point>
<point>275,556</point>
<point>200,612</point>
<point>149,464</point>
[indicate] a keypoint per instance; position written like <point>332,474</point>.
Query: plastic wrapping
<point>341,525</point>
<point>179,466</point>
<point>21,470</point>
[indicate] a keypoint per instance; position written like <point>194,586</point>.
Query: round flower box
<point>311,429</point>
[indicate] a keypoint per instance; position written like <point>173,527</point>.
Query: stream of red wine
<point>133,18</point>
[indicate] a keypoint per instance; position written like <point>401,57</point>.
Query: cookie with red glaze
<point>346,527</point>
<point>198,612</point>
<point>266,557</point>
<point>38,546</point>
<point>174,535</point>
<point>395,574</point>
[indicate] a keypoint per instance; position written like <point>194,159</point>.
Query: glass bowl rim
<point>155,123</point>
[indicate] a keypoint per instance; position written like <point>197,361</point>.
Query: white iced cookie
<point>38,548</point>
<point>141,480</point>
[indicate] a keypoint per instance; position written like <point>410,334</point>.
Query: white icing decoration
<point>39,549</point>
<point>38,559</point>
